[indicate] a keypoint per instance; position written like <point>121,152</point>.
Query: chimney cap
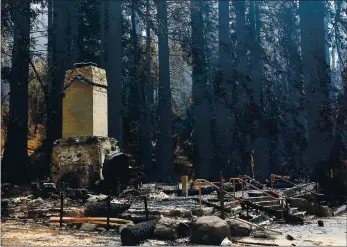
<point>84,64</point>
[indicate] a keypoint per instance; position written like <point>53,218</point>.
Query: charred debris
<point>211,212</point>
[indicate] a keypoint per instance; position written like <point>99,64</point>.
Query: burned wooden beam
<point>100,209</point>
<point>279,214</point>
<point>88,219</point>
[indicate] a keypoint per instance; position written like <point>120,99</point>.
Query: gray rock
<point>210,230</point>
<point>166,229</point>
<point>310,207</point>
<point>171,229</point>
<point>87,227</point>
<point>238,228</point>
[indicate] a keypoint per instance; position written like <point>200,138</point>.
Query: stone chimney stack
<point>85,101</point>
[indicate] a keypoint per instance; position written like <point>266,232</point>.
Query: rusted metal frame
<point>215,186</point>
<point>243,182</point>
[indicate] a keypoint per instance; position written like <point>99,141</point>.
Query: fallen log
<point>339,210</point>
<point>134,234</point>
<point>88,219</point>
<point>256,243</point>
<point>99,209</point>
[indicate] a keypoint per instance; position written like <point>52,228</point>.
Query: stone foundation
<point>79,160</point>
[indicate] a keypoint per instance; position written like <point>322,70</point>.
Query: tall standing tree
<point>149,102</point>
<point>16,160</point>
<point>60,61</point>
<point>317,81</point>
<point>240,98</point>
<point>224,92</point>
<point>113,65</point>
<point>200,109</point>
<point>73,17</point>
<point>295,141</point>
<point>258,142</point>
<point>103,31</point>
<point>165,143</point>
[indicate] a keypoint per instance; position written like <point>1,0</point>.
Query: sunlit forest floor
<point>14,233</point>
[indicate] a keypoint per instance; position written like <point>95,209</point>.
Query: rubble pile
<point>151,215</point>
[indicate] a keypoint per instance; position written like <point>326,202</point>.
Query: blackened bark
<point>50,47</point>
<point>224,86</point>
<point>74,15</point>
<point>201,115</point>
<point>256,105</point>
<point>114,70</point>
<point>103,39</point>
<point>148,106</point>
<point>60,43</point>
<point>16,161</point>
<point>165,143</point>
<point>317,81</point>
<point>240,99</point>
<point>296,139</point>
<point>140,92</point>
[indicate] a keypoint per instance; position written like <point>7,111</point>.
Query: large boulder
<point>311,207</point>
<point>238,228</point>
<point>170,229</point>
<point>210,230</point>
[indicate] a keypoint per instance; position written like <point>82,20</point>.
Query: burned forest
<point>167,122</point>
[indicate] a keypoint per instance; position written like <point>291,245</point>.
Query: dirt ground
<point>14,233</point>
<point>334,233</point>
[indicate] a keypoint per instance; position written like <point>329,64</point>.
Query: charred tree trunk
<point>16,161</point>
<point>60,42</point>
<point>296,110</point>
<point>103,31</point>
<point>113,66</point>
<point>143,106</point>
<point>74,15</point>
<point>165,143</point>
<point>199,92</point>
<point>147,141</point>
<point>240,92</point>
<point>316,80</point>
<point>256,106</point>
<point>224,88</point>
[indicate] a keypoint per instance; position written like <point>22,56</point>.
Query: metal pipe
<point>215,186</point>
<point>146,207</point>
<point>234,187</point>
<point>61,208</point>
<point>221,194</point>
<point>108,210</point>
<point>200,199</point>
<point>242,181</point>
